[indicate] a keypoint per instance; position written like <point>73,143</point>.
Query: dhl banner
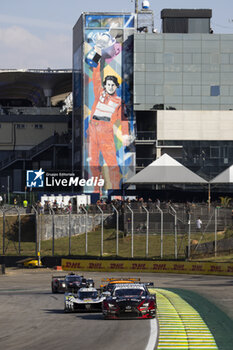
<point>199,268</point>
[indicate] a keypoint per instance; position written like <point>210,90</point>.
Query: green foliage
<point>228,233</point>
<point>225,201</point>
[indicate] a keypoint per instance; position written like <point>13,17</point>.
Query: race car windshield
<point>129,292</point>
<point>88,295</point>
<point>73,279</point>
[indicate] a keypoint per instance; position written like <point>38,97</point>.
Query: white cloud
<point>33,22</point>
<point>20,49</point>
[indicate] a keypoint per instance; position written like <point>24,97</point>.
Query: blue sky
<point>38,33</point>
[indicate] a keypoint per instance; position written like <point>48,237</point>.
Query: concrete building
<point>177,86</point>
<point>35,127</point>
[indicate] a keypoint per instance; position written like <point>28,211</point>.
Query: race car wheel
<point>54,290</point>
<point>68,309</point>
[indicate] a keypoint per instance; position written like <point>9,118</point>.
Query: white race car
<point>86,299</point>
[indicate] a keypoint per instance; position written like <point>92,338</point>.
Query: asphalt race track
<point>31,317</point>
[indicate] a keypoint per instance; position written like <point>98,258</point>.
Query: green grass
<point>221,258</point>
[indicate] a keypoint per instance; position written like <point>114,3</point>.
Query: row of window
<point>23,126</point>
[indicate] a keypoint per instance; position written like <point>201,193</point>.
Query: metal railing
<point>41,147</point>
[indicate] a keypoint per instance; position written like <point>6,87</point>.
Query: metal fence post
<point>69,228</point>
<point>53,229</point>
<point>37,235</point>
<point>3,233</point>
<point>102,231</point>
<point>215,230</point>
<point>175,230</point>
<point>161,231</point>
<point>132,228</point>
<point>117,230</point>
<point>147,230</point>
<point>86,236</point>
<point>189,236</point>
<point>19,220</point>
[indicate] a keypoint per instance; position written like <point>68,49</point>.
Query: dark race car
<point>74,283</point>
<point>70,283</point>
<point>129,301</point>
<point>58,284</point>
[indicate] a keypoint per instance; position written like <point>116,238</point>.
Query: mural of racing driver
<point>107,110</point>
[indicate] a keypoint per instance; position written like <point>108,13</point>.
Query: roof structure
<point>32,85</point>
<point>166,170</point>
<point>225,177</point>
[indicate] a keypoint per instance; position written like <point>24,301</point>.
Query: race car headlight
<point>145,304</point>
<point>111,306</point>
<point>63,285</point>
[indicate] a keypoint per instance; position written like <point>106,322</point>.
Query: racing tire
<point>54,290</point>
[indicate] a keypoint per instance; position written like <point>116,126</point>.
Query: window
<point>198,25</point>
<point>20,126</point>
<point>38,126</point>
<point>215,90</point>
<point>214,152</point>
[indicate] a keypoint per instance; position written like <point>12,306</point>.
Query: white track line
<point>153,334</point>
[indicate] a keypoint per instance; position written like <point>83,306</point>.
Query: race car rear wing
<point>120,279</point>
<point>58,277</point>
<point>147,284</point>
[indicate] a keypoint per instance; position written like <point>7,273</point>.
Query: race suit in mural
<point>107,111</point>
<point>109,152</point>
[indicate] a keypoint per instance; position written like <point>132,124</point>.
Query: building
<point>177,88</point>
<point>35,125</point>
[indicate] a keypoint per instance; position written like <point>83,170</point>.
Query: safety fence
<point>123,230</point>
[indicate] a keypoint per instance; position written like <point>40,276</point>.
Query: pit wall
<point>195,268</point>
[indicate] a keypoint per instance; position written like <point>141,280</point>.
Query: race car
<point>58,284</point>
<point>86,299</point>
<point>75,282</point>
<point>129,301</point>
<point>112,282</point>
<point>30,263</point>
<point>70,283</point>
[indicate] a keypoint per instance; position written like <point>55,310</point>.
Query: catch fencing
<point>118,229</point>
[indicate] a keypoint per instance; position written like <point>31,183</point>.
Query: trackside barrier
<point>194,268</point>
